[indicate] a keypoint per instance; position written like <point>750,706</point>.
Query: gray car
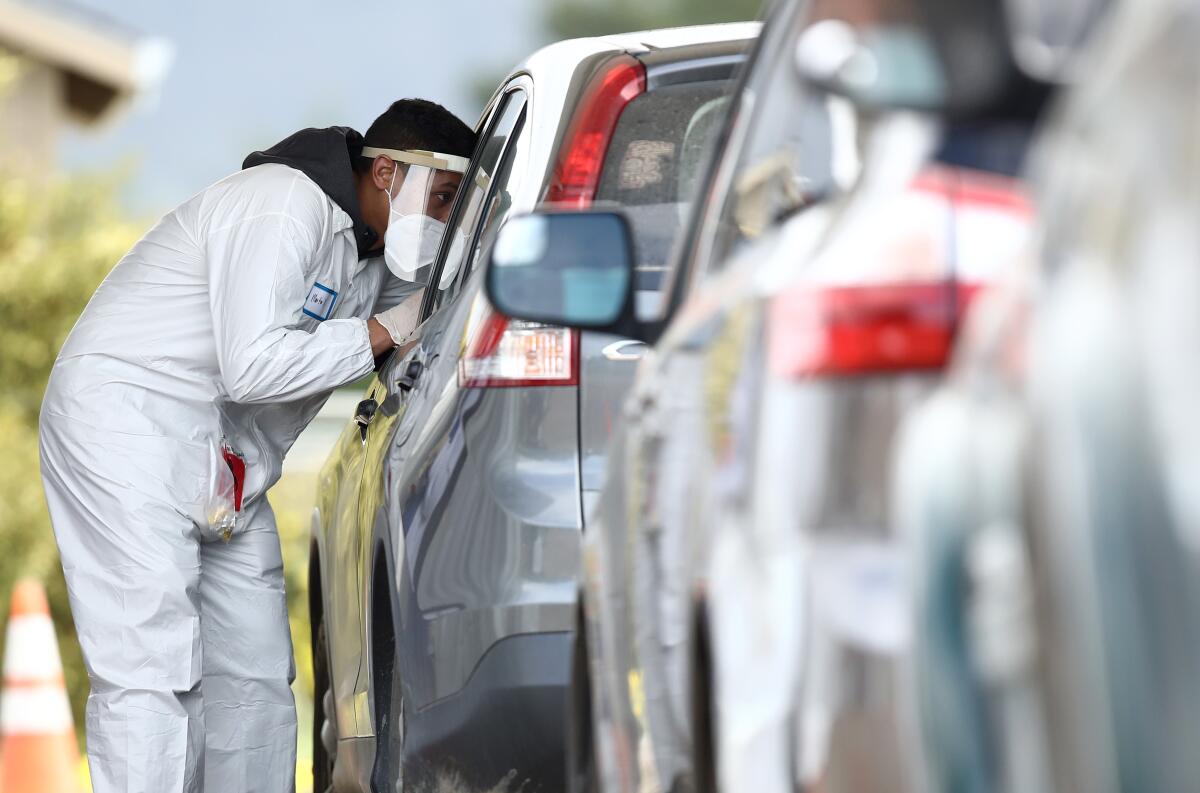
<point>447,524</point>
<point>641,705</point>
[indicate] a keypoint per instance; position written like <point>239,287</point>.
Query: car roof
<point>568,53</point>
<point>667,38</point>
<point>573,50</point>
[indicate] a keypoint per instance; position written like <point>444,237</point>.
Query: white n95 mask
<point>411,243</point>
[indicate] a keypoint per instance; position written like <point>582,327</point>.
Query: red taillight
<point>890,295</point>
<point>581,158</point>
<point>847,330</point>
<point>503,353</point>
<point>499,352</point>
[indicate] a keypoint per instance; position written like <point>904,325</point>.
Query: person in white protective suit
<point>198,361</point>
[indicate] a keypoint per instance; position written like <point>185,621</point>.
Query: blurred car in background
<point>1050,487</point>
<point>638,691</point>
<point>446,533</point>
<point>744,591</point>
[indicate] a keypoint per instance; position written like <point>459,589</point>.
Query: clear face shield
<point>473,206</point>
<point>424,185</point>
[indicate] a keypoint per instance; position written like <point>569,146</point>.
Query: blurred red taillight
<point>848,330</point>
<point>952,233</point>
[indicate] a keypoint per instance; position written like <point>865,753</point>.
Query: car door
<point>410,438</point>
<point>337,509</point>
<point>650,169</point>
<point>683,421</point>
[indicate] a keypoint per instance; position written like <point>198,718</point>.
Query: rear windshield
<point>660,144</point>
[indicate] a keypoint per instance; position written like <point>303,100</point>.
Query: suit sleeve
<point>257,288</point>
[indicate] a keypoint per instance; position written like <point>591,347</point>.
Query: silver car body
<point>447,523</point>
<point>744,584</point>
<point>1057,465</point>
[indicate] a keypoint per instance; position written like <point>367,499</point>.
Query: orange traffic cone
<point>37,737</point>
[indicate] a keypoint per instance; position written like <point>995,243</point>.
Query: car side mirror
<point>572,269</point>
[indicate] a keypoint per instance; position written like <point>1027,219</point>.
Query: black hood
<point>325,156</point>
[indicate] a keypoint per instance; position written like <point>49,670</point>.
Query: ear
<point>382,169</point>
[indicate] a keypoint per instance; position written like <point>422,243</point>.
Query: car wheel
<point>704,745</point>
<point>582,774</point>
<point>388,773</point>
<point>324,740</point>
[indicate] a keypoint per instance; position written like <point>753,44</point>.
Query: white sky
<point>247,73</point>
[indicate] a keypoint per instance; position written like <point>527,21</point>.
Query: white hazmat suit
<point>234,317</point>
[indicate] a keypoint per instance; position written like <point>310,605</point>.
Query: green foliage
<point>575,18</point>
<point>57,242</point>
<point>292,501</point>
<point>10,67</point>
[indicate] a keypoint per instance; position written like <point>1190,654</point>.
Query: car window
<point>782,148</point>
<point>785,165</point>
<point>489,183</point>
<point>651,167</point>
<point>499,203</point>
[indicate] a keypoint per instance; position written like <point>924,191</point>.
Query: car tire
<point>582,774</point>
<point>704,745</point>
<point>388,772</point>
<point>324,738</point>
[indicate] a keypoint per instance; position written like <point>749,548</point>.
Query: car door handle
<point>625,350</point>
<point>363,414</point>
<point>412,373</point>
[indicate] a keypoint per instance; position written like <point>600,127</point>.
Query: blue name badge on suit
<point>320,302</point>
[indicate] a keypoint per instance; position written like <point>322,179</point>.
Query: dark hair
<point>418,124</point>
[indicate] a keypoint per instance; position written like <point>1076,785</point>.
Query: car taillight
<point>499,352</point>
<point>848,330</point>
<point>581,158</point>
<point>893,299</point>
